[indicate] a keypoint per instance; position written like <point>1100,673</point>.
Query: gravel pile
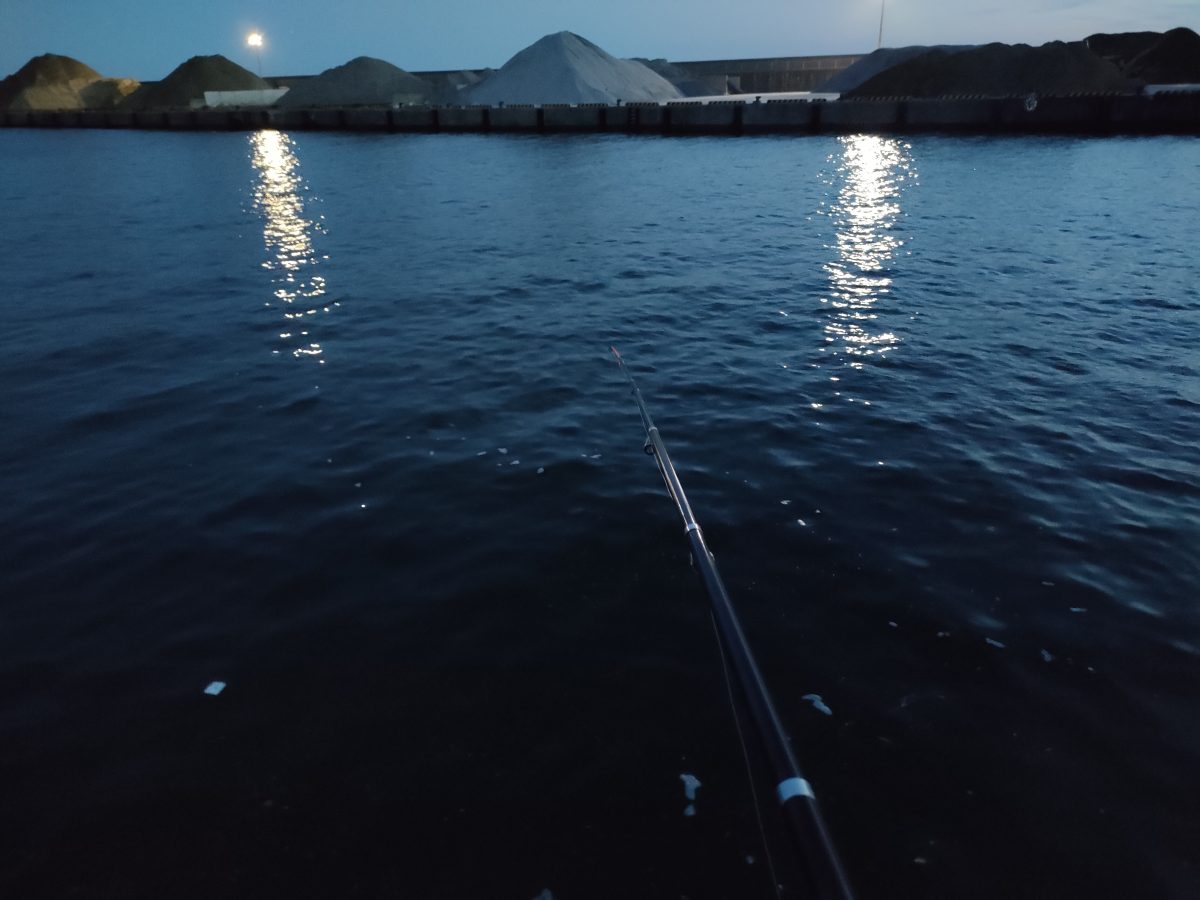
<point>565,68</point>
<point>60,82</point>
<point>998,70</point>
<point>879,62</point>
<point>1173,59</point>
<point>363,81</point>
<point>188,82</point>
<point>1121,48</point>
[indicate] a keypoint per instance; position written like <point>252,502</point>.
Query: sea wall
<point>1163,113</point>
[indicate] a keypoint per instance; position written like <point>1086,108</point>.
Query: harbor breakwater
<point>1163,113</point>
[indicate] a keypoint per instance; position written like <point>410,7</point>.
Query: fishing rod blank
<point>796,799</point>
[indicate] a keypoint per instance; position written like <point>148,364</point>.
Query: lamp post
<point>255,40</point>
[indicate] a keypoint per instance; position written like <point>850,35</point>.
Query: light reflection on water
<point>872,171</point>
<point>288,236</point>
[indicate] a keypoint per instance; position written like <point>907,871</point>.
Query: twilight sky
<point>146,39</point>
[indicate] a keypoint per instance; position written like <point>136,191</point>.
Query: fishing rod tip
<point>615,351</point>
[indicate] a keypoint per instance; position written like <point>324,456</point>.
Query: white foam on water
<point>995,643</point>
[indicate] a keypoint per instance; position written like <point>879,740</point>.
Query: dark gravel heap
<point>878,62</point>
<point>363,81</point>
<point>999,70</point>
<point>1173,59</point>
<point>189,82</point>
<point>1121,48</point>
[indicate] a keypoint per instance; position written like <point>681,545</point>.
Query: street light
<point>255,40</point>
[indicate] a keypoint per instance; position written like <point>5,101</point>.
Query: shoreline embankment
<point>1096,114</point>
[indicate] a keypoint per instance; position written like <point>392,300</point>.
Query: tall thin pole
<point>826,878</point>
<point>882,7</point>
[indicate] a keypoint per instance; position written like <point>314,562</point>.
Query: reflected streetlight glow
<point>287,234</point>
<point>873,171</point>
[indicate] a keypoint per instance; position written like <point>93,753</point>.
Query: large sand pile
<point>878,62</point>
<point>189,82</point>
<point>60,82</point>
<point>565,68</point>
<point>361,82</point>
<point>998,70</point>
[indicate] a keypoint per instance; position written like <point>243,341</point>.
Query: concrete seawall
<point>1164,113</point>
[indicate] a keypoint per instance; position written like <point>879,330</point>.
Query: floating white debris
<point>785,502</point>
<point>801,522</point>
<point>782,313</point>
<point>893,625</point>
<point>749,860</point>
<point>690,784</point>
<point>943,634</point>
<point>818,703</point>
<point>501,449</point>
<point>1078,609</point>
<point>1048,583</point>
<point>541,470</point>
<point>515,462</point>
<point>1047,656</point>
<point>595,456</point>
<point>358,484</point>
<point>995,643</point>
<point>689,810</point>
<point>215,688</point>
<point>481,453</point>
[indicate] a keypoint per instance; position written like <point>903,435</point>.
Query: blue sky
<point>145,39</point>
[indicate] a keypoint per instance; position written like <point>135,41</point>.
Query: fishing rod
<point>827,880</point>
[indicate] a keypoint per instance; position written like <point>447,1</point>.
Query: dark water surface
<point>332,419</point>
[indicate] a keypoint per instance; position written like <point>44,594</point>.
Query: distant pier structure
<point>770,75</point>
